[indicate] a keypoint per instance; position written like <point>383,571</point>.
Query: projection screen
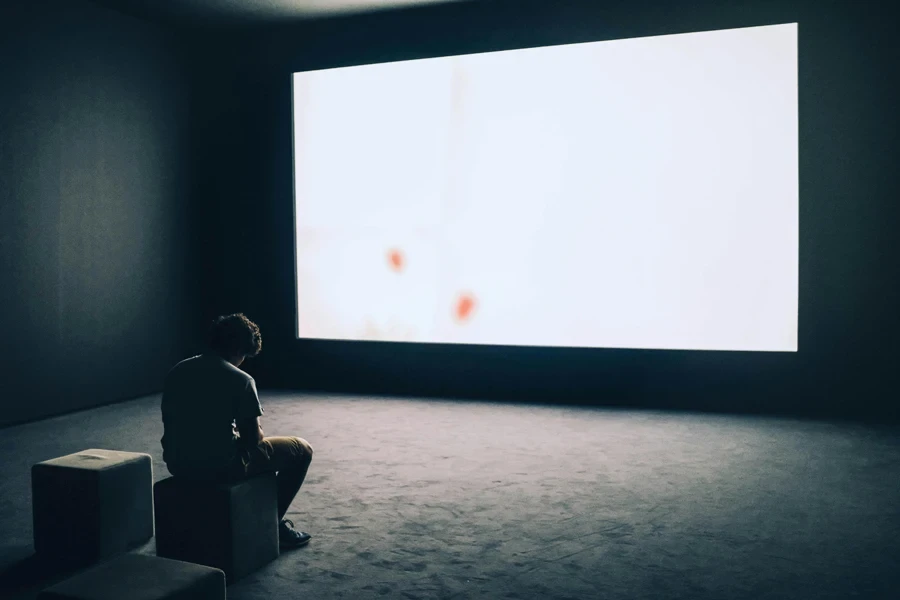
<point>638,193</point>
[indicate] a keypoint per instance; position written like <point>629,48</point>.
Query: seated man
<point>212,432</point>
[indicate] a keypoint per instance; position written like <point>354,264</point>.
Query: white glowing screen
<point>638,193</point>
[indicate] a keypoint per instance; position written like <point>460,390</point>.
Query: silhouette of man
<point>212,431</point>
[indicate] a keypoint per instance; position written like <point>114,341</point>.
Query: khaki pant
<point>288,457</point>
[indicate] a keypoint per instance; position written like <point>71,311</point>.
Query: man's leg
<point>289,457</point>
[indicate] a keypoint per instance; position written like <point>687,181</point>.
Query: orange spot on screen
<point>395,260</point>
<point>464,307</point>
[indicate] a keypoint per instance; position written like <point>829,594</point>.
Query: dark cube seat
<point>141,577</point>
<point>92,505</point>
<point>229,526</point>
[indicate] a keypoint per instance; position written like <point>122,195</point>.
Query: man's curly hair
<point>235,335</point>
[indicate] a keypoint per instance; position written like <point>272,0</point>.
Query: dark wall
<point>95,268</point>
<point>849,328</point>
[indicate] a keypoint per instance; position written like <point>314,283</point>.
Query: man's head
<point>234,338</point>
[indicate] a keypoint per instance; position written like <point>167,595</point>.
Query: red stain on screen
<point>464,307</point>
<point>396,260</point>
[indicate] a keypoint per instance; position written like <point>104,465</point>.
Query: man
<point>212,431</point>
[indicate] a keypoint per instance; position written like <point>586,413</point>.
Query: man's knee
<point>304,449</point>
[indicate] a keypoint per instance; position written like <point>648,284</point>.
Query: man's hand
<point>250,431</point>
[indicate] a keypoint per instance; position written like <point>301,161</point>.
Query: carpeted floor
<point>427,499</point>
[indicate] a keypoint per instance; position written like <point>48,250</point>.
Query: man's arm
<point>250,431</point>
<point>247,411</point>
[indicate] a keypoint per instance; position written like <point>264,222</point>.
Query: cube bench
<point>141,577</point>
<point>229,526</point>
<point>92,505</point>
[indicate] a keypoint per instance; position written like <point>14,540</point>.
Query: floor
<point>439,499</point>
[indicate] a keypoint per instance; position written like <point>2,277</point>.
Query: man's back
<point>202,398</point>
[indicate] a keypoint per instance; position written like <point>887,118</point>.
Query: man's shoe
<point>289,537</point>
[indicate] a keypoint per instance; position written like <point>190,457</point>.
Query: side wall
<point>96,296</point>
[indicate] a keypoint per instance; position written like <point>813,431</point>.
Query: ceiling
<point>246,11</point>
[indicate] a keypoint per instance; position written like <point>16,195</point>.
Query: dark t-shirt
<point>202,399</point>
